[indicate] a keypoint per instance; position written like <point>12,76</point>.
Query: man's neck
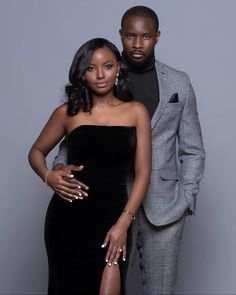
<point>139,66</point>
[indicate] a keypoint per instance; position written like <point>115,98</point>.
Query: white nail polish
<point>103,246</point>
<point>123,258</point>
<point>76,197</point>
<point>109,264</point>
<point>79,186</point>
<point>115,263</point>
<point>106,260</point>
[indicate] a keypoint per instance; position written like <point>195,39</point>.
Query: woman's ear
<point>118,65</point>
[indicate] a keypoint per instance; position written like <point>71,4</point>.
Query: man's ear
<point>158,35</point>
<point>121,33</point>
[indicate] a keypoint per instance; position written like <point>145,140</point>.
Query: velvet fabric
<point>74,232</point>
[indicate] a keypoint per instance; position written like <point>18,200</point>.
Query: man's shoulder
<point>164,68</point>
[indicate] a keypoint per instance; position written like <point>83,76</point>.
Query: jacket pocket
<point>169,174</point>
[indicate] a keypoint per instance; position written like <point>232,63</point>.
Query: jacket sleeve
<point>191,151</point>
<point>61,157</point>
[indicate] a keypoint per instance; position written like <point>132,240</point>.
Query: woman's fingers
<point>114,252</point>
<point>106,240</point>
<point>73,182</point>
<point>65,183</point>
<point>66,199</point>
<point>69,190</point>
<point>124,252</point>
<point>111,254</point>
<point>117,256</point>
<point>72,187</point>
<point>72,191</point>
<point>116,239</point>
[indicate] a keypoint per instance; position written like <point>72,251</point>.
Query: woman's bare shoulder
<point>61,110</point>
<point>138,107</point>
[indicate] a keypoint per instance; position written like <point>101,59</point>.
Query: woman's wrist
<point>125,220</point>
<point>58,167</point>
<point>46,176</point>
<point>131,215</point>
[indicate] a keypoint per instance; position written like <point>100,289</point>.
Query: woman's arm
<point>142,162</point>
<point>52,133</point>
<point>116,237</point>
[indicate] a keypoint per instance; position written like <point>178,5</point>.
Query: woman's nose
<point>100,74</point>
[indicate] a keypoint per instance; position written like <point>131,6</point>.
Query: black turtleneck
<point>144,83</point>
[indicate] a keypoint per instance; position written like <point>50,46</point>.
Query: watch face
<point>132,216</point>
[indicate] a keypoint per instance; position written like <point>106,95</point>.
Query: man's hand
<point>62,181</point>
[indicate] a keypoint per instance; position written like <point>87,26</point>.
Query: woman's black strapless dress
<point>74,232</point>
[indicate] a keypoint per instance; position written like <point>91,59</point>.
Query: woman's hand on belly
<point>62,181</point>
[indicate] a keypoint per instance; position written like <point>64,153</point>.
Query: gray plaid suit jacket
<point>177,150</point>
<point>178,154</point>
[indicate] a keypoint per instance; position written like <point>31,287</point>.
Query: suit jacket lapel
<point>164,94</point>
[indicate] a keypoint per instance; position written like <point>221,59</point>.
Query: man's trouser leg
<point>158,248</point>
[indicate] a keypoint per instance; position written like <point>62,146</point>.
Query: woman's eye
<point>90,68</point>
<point>109,66</point>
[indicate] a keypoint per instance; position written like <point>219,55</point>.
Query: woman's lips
<point>101,85</point>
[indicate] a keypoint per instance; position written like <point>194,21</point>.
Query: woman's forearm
<point>37,161</point>
<point>136,197</point>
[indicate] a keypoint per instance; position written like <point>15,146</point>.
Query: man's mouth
<point>137,54</point>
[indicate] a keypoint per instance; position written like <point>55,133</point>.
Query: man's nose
<point>138,43</point>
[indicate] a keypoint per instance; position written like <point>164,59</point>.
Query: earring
<point>117,81</point>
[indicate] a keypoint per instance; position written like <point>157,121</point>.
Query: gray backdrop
<point>38,40</point>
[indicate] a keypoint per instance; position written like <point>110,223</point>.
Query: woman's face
<point>102,71</point>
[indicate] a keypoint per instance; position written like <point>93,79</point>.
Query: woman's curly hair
<point>78,94</point>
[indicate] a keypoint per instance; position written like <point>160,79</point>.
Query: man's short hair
<point>141,11</point>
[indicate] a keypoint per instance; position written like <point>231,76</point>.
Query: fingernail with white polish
<point>115,263</point>
<point>79,186</point>
<point>106,260</point>
<point>103,246</point>
<point>109,264</point>
<point>123,258</point>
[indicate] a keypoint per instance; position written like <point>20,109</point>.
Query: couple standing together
<point>105,169</point>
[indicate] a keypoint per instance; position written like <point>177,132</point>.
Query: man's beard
<point>138,64</point>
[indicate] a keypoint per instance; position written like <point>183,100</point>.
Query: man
<point>178,153</point>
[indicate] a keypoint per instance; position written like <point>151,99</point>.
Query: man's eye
<point>109,66</point>
<point>146,37</point>
<point>130,36</point>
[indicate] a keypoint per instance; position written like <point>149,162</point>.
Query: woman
<point>109,135</point>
